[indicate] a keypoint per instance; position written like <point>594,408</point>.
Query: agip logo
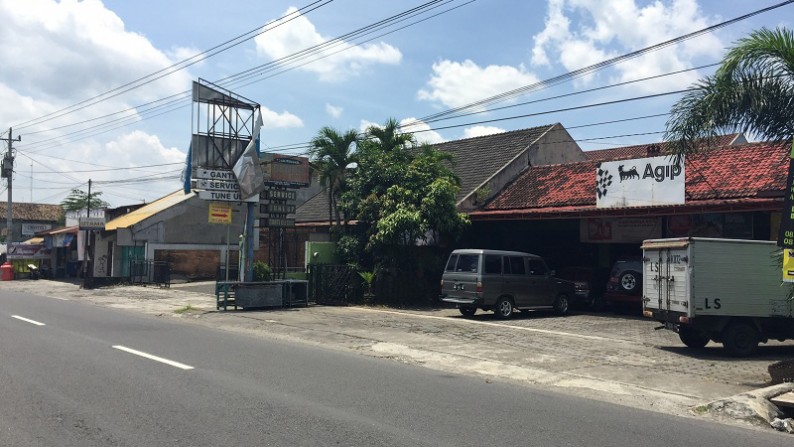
<point>603,182</point>
<point>641,182</point>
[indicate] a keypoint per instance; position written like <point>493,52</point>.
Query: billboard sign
<point>286,170</point>
<point>640,182</point>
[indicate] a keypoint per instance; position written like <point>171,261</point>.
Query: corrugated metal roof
<point>148,211</point>
<point>60,230</point>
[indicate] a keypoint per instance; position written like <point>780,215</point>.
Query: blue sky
<point>57,54</point>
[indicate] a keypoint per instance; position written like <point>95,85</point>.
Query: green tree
<point>752,91</point>
<point>79,200</point>
<point>401,194</point>
<point>332,153</point>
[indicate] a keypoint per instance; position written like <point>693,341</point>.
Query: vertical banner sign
<point>788,265</point>
<point>785,238</point>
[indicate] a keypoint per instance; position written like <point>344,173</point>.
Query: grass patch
<point>184,309</point>
<point>701,409</point>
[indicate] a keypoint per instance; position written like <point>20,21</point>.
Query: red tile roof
<point>753,172</point>
<point>654,149</point>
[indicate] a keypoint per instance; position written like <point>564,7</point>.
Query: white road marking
<point>486,323</point>
<point>153,357</point>
<point>27,320</point>
<point>59,298</point>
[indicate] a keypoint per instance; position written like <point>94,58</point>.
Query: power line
<point>181,65</point>
<point>598,66</point>
<point>177,99</point>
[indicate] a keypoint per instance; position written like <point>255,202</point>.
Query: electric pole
<point>7,172</point>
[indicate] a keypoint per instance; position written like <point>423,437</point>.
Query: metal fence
<point>341,285</point>
<point>146,272</point>
<point>334,284</point>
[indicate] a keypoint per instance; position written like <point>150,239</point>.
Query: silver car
<point>502,281</point>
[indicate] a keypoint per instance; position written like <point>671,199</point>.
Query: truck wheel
<point>692,338</point>
<point>740,339</point>
<point>503,309</point>
<point>561,304</point>
<point>467,311</point>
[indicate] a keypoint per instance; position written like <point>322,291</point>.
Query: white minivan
<point>502,281</point>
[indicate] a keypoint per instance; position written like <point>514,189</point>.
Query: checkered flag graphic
<point>603,181</point>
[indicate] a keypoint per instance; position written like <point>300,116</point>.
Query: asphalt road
<point>75,374</point>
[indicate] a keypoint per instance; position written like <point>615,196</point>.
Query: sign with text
<point>286,170</point>
<point>640,182</point>
<point>278,194</point>
<point>29,229</point>
<point>225,196</point>
<point>788,265</point>
<point>92,223</point>
<point>785,238</point>
<point>215,174</point>
<point>620,230</point>
<point>277,208</point>
<point>220,213</point>
<point>276,222</point>
<point>216,185</point>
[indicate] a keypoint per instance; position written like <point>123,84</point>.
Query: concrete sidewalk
<point>619,359</point>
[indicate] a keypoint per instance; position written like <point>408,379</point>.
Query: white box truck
<point>725,290</point>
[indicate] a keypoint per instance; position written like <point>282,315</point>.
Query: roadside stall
<point>23,256</point>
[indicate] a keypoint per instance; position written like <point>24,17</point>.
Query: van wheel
<point>561,305</point>
<point>467,311</point>
<point>503,308</point>
<point>692,338</point>
<point>740,339</point>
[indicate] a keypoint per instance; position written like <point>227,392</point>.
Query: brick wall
<point>192,263</point>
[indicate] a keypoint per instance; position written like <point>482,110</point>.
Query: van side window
<point>537,267</point>
<point>451,263</point>
<point>468,263</point>
<point>493,264</point>
<point>514,265</point>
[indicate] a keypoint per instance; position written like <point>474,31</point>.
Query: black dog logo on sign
<point>631,173</point>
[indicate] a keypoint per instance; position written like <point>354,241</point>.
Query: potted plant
<point>369,278</point>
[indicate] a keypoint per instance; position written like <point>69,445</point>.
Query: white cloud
<point>127,150</point>
<point>479,131</point>
<point>583,32</point>
<point>421,130</point>
<point>454,84</point>
<point>334,111</point>
<point>274,120</point>
<point>68,51</point>
<point>300,34</point>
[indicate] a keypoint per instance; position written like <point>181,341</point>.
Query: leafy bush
<point>261,271</point>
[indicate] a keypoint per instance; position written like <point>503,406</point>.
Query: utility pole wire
<point>8,172</point>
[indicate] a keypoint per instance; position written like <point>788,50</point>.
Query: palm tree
<point>332,152</point>
<point>752,91</point>
<point>388,138</point>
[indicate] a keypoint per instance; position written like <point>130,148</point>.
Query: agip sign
<point>640,182</point>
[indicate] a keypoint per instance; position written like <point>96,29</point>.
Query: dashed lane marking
<point>152,357</point>
<point>27,320</point>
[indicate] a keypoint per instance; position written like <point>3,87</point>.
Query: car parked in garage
<point>589,284</point>
<point>624,286</point>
